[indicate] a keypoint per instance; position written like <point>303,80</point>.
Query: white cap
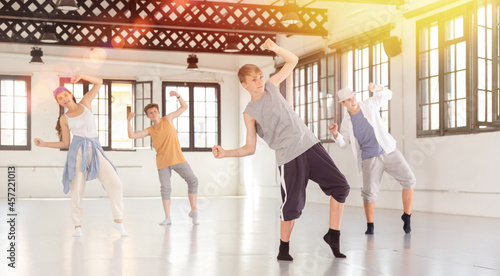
<point>344,94</point>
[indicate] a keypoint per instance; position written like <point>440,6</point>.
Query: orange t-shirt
<point>166,143</point>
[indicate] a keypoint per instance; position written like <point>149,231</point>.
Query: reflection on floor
<point>240,236</point>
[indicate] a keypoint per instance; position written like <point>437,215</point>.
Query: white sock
<point>77,232</point>
<point>119,227</point>
<point>194,216</point>
<point>167,221</point>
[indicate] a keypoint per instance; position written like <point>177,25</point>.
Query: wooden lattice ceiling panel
<point>158,25</point>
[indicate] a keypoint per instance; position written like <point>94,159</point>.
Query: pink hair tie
<point>59,90</point>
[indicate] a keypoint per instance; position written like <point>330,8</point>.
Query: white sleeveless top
<point>83,125</point>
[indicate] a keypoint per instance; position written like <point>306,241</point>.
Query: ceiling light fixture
<point>36,55</point>
<point>67,5</point>
<point>232,41</point>
<point>192,63</point>
<point>49,33</point>
<point>291,16</point>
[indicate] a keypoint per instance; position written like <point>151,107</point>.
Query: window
<point>314,86</point>
<point>306,95</point>
<point>141,99</point>
<point>199,126</point>
<point>328,103</point>
<point>369,63</point>
<point>448,67</point>
<point>110,107</point>
<point>15,113</point>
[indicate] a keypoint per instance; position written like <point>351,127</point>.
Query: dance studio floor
<point>240,236</point>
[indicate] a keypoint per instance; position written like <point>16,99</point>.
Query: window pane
<point>199,109</point>
<point>481,16</point>
<point>435,116</point>
<point>211,125</point>
<point>7,137</point>
<point>424,91</point>
<point>449,31</point>
<point>20,136</point>
<point>139,91</point>
<point>20,88</point>
<point>211,139</point>
<point>183,124</point>
<point>200,140</point>
<point>121,103</point>
<point>211,109</point>
<point>481,106</point>
<point>7,120</point>
<point>449,83</point>
<point>7,88</point>
<point>7,104</point>
<point>199,94</point>
<point>425,118</point>
<point>424,66</point>
<point>489,43</point>
<point>449,58</point>
<point>434,36</point>
<point>21,104</point>
<point>489,77</point>
<point>21,120</point>
<point>481,73</point>
<point>147,91</point>
<point>459,27</point>
<point>461,84</point>
<point>481,42</point>
<point>184,140</point>
<point>434,90</point>
<point>461,113</point>
<point>461,56</point>
<point>434,61</point>
<point>451,115</point>
<point>424,40</point>
<point>211,94</point>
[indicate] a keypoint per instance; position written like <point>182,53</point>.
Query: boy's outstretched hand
<point>374,88</point>
<point>131,115</point>
<point>218,152</point>
<point>334,129</point>
<point>269,45</point>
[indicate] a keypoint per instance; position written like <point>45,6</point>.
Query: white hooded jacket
<point>370,109</point>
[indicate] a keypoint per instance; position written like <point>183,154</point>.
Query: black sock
<point>283,255</point>
<point>369,228</point>
<point>333,240</point>
<point>406,219</point>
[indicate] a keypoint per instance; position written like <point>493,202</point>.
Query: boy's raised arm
<point>290,62</point>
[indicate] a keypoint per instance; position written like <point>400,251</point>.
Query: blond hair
<point>246,70</point>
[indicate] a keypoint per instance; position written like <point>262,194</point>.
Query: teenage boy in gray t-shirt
<point>299,154</point>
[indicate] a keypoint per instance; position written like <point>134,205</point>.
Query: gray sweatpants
<point>394,164</point>
<point>185,171</point>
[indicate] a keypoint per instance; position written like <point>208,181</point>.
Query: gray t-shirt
<point>365,134</point>
<point>280,126</point>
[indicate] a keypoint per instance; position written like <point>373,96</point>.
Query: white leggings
<point>109,180</point>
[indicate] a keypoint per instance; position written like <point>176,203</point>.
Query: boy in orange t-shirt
<point>168,154</point>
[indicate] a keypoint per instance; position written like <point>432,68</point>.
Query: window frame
<point>108,83</point>
<point>191,86</point>
<point>469,12</point>
<point>321,60</point>
<point>140,113</point>
<point>27,79</point>
<point>370,68</point>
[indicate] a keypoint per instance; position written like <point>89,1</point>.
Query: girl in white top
<point>86,159</point>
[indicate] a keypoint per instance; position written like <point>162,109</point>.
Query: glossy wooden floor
<point>240,236</point>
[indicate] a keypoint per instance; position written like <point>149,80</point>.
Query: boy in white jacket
<point>374,150</point>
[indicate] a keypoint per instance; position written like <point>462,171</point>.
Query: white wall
<point>455,174</point>
<point>39,171</point>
